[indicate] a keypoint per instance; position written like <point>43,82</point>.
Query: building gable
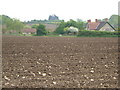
<point>106,27</point>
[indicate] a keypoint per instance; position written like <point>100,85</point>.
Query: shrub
<point>94,33</point>
<point>41,29</point>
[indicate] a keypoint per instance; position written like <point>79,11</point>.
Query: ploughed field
<point>60,62</point>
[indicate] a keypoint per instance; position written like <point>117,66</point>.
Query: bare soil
<point>60,62</point>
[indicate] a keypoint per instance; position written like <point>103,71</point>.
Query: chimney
<point>89,21</point>
<point>96,20</point>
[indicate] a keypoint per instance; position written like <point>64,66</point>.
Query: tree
<point>80,25</point>
<point>17,25</point>
<point>71,23</point>
<point>34,26</point>
<point>60,29</point>
<point>41,29</point>
<point>114,21</point>
<point>9,24</point>
<point>64,25</point>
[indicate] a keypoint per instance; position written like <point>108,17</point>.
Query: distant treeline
<point>44,21</point>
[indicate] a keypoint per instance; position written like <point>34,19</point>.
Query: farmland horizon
<point>92,19</point>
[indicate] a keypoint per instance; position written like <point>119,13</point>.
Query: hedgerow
<point>94,33</point>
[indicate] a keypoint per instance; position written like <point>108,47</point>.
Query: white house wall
<point>106,27</point>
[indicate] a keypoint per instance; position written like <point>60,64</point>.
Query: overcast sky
<point>65,9</point>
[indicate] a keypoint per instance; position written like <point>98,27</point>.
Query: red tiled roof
<point>93,25</point>
<point>31,30</point>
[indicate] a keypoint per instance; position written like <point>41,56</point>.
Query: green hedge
<point>93,33</point>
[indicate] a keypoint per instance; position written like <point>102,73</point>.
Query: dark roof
<point>101,24</point>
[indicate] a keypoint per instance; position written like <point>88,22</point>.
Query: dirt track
<point>30,62</point>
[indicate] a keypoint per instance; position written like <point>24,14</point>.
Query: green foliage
<point>88,33</point>
<point>34,26</point>
<point>44,21</point>
<point>17,25</point>
<point>60,29</point>
<point>66,29</point>
<point>27,26</point>
<point>64,25</point>
<point>41,30</point>
<point>71,23</point>
<point>114,21</point>
<point>9,24</point>
<point>79,24</point>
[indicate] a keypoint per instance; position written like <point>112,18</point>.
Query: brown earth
<point>60,62</point>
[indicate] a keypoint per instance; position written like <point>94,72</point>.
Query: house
<point>99,25</point>
<point>29,31</point>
